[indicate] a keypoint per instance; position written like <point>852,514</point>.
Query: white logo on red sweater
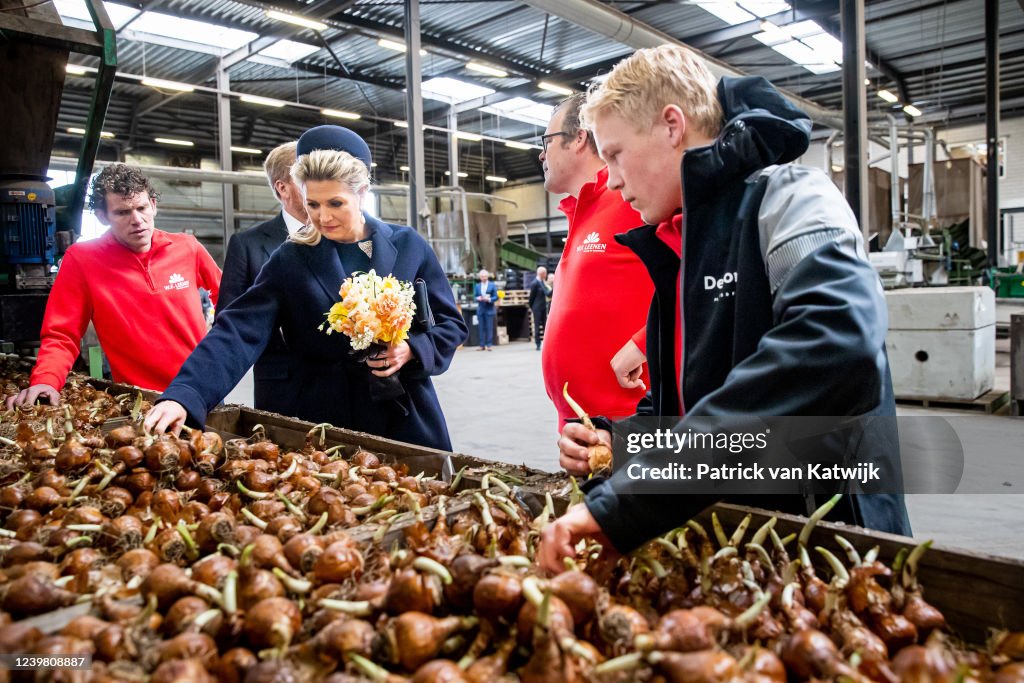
<point>176,281</point>
<point>591,243</point>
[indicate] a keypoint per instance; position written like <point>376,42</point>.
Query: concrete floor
<point>497,408</point>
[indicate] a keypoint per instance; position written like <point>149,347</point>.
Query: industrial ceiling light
<point>395,45</point>
<point>401,124</point>
<point>472,137</point>
<point>338,114</point>
<point>462,174</point>
<point>297,20</point>
<point>486,69</point>
<point>496,178</point>
<point>265,101</point>
<point>517,145</point>
<point>175,141</point>
<point>912,110</point>
<point>555,88</point>
<point>81,131</point>
<point>161,84</point>
<point>245,150</point>
<point>75,70</point>
<point>404,169</point>
<point>888,96</point>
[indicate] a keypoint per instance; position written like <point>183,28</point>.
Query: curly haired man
<point>139,287</point>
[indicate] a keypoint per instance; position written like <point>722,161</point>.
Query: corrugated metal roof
<point>935,47</point>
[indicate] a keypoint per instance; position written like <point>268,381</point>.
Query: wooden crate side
<point>975,592</point>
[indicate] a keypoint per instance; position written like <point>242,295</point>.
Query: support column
<point>992,129</point>
<point>224,148</point>
<point>453,145</point>
<point>1016,364</point>
<point>414,109</point>
<point>855,114</point>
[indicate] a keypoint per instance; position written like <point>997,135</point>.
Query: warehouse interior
<point>918,118</point>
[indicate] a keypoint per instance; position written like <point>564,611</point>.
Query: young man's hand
<point>572,447</point>
<point>27,397</point>
<point>559,538</point>
<point>628,366</point>
<point>165,416</point>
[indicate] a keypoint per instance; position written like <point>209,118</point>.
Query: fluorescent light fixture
<point>75,70</point>
<point>486,69</point>
<point>373,164</point>
<point>161,84</point>
<point>175,141</point>
<point>496,178</point>
<point>401,124</point>
<point>726,10</point>
<point>555,88</point>
<point>522,109</point>
<point>518,145</point>
<point>297,20</point>
<point>265,101</point>
<point>338,114</point>
<point>289,50</point>
<point>471,137</point>
<point>192,31</point>
<point>245,150</point>
<point>395,45</point>
<point>452,90</point>
<point>912,110</point>
<point>404,169</point>
<point>888,96</point>
<point>81,131</point>
<point>462,174</point>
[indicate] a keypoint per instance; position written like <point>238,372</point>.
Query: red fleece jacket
<point>601,297</point>
<point>145,308</point>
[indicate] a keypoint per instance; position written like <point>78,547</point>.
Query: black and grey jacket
<point>783,315</point>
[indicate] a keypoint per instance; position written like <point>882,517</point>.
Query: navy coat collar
<point>324,262</point>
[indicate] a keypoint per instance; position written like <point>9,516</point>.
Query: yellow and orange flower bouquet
<point>374,312</point>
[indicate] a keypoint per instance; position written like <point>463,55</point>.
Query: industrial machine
<point>28,256</point>
<point>33,61</point>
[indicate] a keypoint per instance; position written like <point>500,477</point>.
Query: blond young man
<point>782,313</point>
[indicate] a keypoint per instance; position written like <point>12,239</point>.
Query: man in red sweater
<point>600,282</point>
<point>138,285</point>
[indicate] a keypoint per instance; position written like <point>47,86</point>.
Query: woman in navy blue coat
<point>295,289</point>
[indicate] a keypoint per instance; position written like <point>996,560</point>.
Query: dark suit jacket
<point>274,373</point>
<point>293,292</point>
<point>539,294</point>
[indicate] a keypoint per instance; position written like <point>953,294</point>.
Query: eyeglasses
<point>546,139</point>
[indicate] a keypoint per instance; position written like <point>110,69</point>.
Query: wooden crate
<point>290,433</point>
<point>975,592</point>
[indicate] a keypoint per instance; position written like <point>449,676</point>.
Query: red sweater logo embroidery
<point>591,243</point>
<point>176,281</point>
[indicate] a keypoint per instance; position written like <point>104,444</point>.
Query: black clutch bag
<point>424,317</point>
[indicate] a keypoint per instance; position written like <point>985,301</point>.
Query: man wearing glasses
<point>599,281</point>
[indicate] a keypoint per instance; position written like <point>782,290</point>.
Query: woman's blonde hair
<point>327,164</point>
<point>643,84</point>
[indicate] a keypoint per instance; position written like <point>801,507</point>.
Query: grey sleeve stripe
<point>784,257</point>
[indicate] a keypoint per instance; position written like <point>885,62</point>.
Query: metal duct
<point>195,175</point>
<point>610,22</point>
